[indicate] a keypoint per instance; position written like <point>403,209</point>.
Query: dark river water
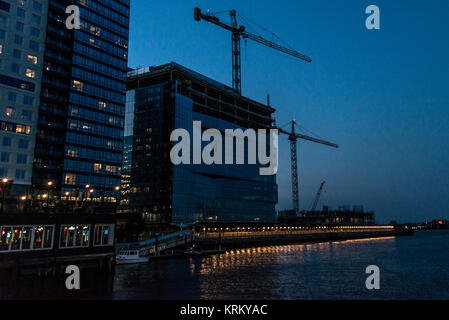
<point>410,268</point>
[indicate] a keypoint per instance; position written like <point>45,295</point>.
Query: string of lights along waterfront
<point>410,268</point>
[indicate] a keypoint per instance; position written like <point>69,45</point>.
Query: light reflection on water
<point>411,268</point>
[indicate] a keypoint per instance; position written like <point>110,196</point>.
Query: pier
<point>216,237</point>
<point>244,234</point>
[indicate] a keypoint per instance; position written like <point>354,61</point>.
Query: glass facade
<point>127,153</point>
<point>163,192</point>
<point>81,119</point>
<point>218,192</point>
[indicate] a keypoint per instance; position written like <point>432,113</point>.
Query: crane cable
<point>274,35</point>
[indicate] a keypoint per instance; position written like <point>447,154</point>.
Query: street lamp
<point>49,185</point>
<point>85,193</point>
<point>4,182</point>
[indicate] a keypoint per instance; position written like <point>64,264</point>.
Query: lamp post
<point>85,195</point>
<point>23,200</point>
<point>65,203</point>
<point>45,196</point>
<point>4,182</point>
<point>49,185</point>
<point>117,189</point>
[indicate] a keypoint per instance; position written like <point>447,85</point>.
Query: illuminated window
<point>38,238</point>
<point>16,238</point>
<point>103,235</point>
<point>74,111</point>
<point>70,179</point>
<point>72,153</point>
<point>112,169</point>
<point>30,73</point>
<point>48,237</point>
<point>102,104</point>
<point>97,166</point>
<point>78,85</point>
<point>20,128</point>
<point>32,59</point>
<point>95,30</point>
<point>5,126</point>
<point>9,111</point>
<point>1,48</point>
<point>74,236</point>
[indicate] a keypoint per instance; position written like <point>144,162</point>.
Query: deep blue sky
<point>382,95</point>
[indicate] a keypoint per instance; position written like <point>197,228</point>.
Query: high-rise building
<point>171,97</point>
<point>76,127</point>
<point>22,36</point>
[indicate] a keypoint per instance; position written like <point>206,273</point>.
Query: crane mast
<point>293,137</point>
<point>317,197</point>
<point>294,169</point>
<point>239,32</point>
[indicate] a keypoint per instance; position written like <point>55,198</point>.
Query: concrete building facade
<point>22,37</point>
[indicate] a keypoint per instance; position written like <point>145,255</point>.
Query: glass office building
<point>79,141</point>
<point>171,97</point>
<point>62,98</point>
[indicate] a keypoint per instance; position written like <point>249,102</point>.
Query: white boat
<point>130,256</point>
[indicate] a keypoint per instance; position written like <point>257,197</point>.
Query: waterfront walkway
<point>235,235</point>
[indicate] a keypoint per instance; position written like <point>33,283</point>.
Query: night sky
<point>382,95</point>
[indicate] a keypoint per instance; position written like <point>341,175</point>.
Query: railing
<point>287,232</point>
<point>157,244</point>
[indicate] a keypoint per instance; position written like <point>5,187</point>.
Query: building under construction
<point>170,97</point>
<point>344,215</point>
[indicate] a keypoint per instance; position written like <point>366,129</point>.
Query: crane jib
<point>237,32</point>
<point>304,137</point>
